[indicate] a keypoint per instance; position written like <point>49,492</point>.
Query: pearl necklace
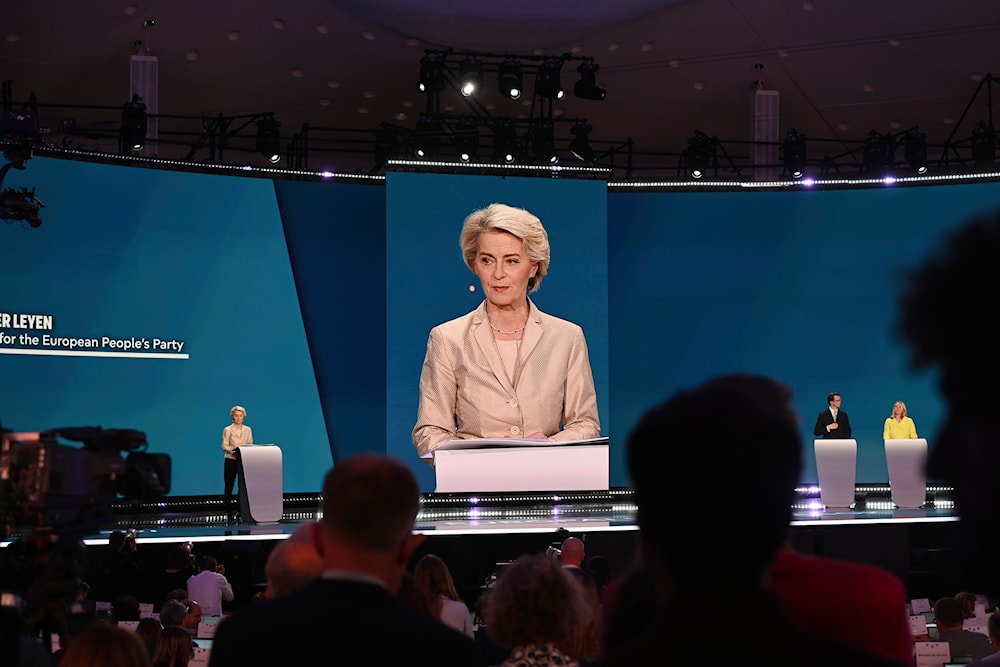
<point>506,333</point>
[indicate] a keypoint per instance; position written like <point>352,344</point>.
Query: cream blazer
<point>465,391</point>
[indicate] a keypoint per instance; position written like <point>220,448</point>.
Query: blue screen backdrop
<point>310,303</point>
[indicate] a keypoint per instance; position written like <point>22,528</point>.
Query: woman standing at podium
<point>898,426</point>
<point>506,370</point>
<point>233,436</point>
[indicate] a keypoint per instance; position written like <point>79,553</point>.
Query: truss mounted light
<point>470,76</point>
<point>134,124</point>
<point>579,146</point>
<point>915,150</point>
<point>511,79</point>
<point>876,156</point>
<point>794,153</point>
<point>505,143</point>
<point>466,138</point>
<point>431,73</point>
<point>427,138</point>
<point>984,144</point>
<point>700,151</point>
<point>586,88</point>
<point>548,80</point>
<point>269,139</point>
<point>542,139</point>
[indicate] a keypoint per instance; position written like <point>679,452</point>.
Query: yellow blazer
<point>895,430</point>
<point>465,391</point>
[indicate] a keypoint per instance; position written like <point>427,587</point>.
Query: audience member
<point>293,563</point>
<point>126,608</point>
<point>432,574</point>
<point>937,317</point>
<point>209,586</point>
<point>572,552</point>
<point>149,631</point>
<point>179,568</point>
<point>193,616</point>
<point>993,626</point>
<point>859,603</point>
<point>105,645</point>
<point>414,594</point>
<point>965,644</point>
<point>351,615</point>
<point>968,601</point>
<point>586,645</point>
<point>120,570</point>
<point>535,609</point>
<point>690,581</point>
<point>172,613</point>
<point>175,648</point>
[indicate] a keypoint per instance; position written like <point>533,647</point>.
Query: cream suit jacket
<point>465,391</point>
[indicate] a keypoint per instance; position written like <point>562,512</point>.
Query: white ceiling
<point>841,67</point>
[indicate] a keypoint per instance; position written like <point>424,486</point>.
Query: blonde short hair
<point>515,221</point>
<point>237,408</point>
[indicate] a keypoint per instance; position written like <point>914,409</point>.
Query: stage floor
<point>203,519</point>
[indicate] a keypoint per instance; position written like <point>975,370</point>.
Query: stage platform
<point>476,532</point>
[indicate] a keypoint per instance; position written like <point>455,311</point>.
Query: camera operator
<point>210,586</point>
<point>119,571</point>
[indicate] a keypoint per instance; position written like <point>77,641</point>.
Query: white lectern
<point>261,496</point>
<point>907,480</point>
<point>509,464</point>
<point>836,464</point>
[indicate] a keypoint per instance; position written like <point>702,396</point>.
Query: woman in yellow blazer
<point>506,369</point>
<point>898,426</point>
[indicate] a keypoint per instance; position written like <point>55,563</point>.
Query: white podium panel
<point>261,494</point>
<point>906,460</point>
<point>836,465</point>
<point>553,467</point>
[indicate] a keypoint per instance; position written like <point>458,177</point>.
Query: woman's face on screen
<point>503,268</point>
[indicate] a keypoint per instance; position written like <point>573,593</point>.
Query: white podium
<point>261,495</point>
<point>836,465</point>
<point>509,464</point>
<point>906,460</point>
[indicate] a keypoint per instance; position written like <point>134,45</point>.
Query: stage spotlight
<point>579,146</point>
<point>427,138</point>
<point>876,154</point>
<point>700,151</point>
<point>547,82</point>
<point>269,139</point>
<point>466,138</point>
<point>586,88</point>
<point>133,129</point>
<point>915,150</point>
<point>470,76</point>
<point>543,141</point>
<point>795,153</point>
<point>505,146</point>
<point>984,144</point>
<point>431,73</point>
<point>511,79</point>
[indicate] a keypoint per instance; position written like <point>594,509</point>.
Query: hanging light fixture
<point>579,146</point>
<point>470,76</point>
<point>505,146</point>
<point>794,153</point>
<point>134,123</point>
<point>915,150</point>
<point>547,81</point>
<point>431,73</point>
<point>542,137</point>
<point>269,139</point>
<point>466,138</point>
<point>586,88</point>
<point>511,79</point>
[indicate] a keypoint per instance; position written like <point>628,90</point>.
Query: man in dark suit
<point>350,615</point>
<point>833,422</point>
